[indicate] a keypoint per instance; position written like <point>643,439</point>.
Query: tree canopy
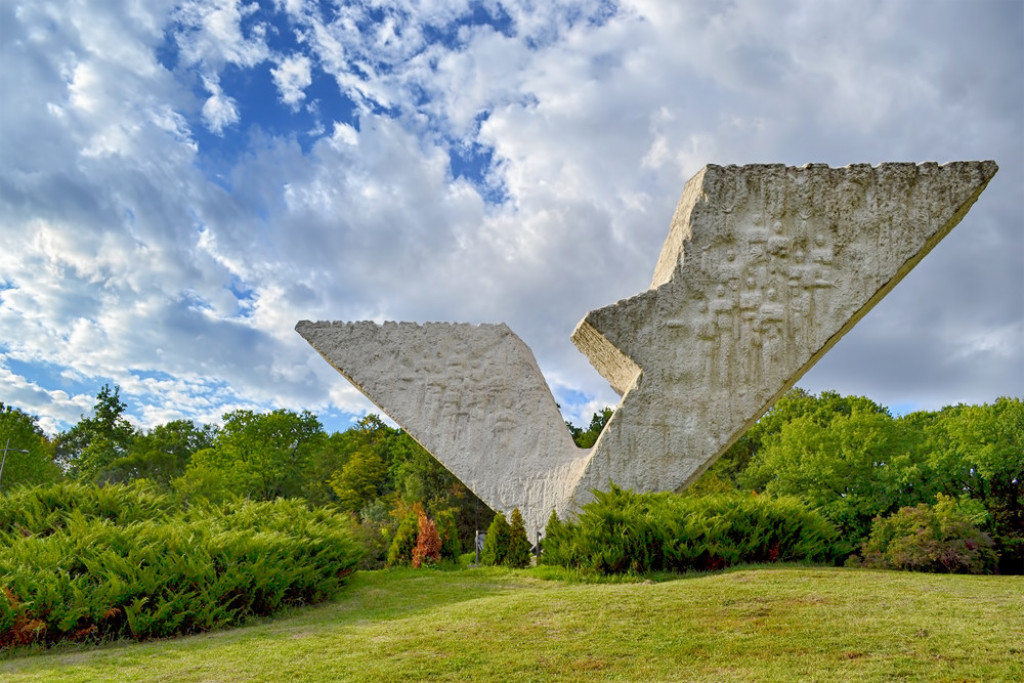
<point>20,432</point>
<point>91,446</point>
<point>846,457</point>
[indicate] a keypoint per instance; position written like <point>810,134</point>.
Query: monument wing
<point>764,269</point>
<point>473,396</point>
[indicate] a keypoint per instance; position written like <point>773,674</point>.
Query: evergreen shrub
<point>448,529</point>
<point>556,545</point>
<point>428,543</point>
<point>42,510</point>
<point>87,574</point>
<point>496,541</point>
<point>376,532</point>
<point>404,540</point>
<point>622,531</point>
<point>518,553</point>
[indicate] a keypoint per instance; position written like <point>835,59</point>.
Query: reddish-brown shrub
<point>932,538</point>
<point>428,543</point>
<point>24,629</point>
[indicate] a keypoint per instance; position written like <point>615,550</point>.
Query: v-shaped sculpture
<point>764,269</point>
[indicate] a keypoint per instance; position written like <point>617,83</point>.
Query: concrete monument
<point>764,269</point>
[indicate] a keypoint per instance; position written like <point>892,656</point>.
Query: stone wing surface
<point>473,396</point>
<point>764,269</point>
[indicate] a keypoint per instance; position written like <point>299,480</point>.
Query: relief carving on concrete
<point>764,269</point>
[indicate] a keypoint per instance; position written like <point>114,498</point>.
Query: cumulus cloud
<point>168,216</point>
<point>215,33</point>
<point>292,77</point>
<point>219,110</point>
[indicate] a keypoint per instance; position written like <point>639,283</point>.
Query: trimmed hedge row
<point>86,577</point>
<point>621,531</point>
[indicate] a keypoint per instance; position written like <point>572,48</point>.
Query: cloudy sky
<point>180,182</point>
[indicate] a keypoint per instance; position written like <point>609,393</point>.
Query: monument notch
<point>764,269</point>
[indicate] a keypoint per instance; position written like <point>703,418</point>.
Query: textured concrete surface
<point>764,269</point>
<point>473,396</point>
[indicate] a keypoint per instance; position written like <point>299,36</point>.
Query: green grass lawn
<point>785,623</point>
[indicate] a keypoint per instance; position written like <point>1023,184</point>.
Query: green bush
<point>90,576</point>
<point>518,553</point>
<point>944,538</point>
<point>404,540</point>
<point>42,510</point>
<point>496,541</point>
<point>448,528</point>
<point>621,531</point>
<point>556,545</point>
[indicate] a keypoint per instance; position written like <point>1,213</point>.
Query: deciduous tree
<point>851,468</point>
<point>19,432</point>
<point>360,480</point>
<point>260,456</point>
<point>162,454</point>
<point>86,450</point>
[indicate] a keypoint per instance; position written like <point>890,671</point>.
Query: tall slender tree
<point>86,450</point>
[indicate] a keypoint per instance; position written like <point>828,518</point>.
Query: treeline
<point>850,459</point>
<point>845,458</point>
<point>937,491</point>
<point>372,471</point>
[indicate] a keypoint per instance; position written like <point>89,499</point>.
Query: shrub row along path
<point>778,623</point>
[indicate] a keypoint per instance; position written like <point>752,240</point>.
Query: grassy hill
<point>779,623</point>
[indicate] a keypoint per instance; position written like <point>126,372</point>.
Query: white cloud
<point>54,408</point>
<point>292,77</point>
<point>219,110</point>
<point>212,34</point>
<point>344,134</point>
<point>138,255</point>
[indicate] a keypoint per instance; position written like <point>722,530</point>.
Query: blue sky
<point>180,182</point>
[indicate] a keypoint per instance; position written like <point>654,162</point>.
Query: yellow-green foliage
<point>404,540</point>
<point>496,542</point>
<point>518,554</point>
<point>623,531</point>
<point>124,563</point>
<point>42,510</point>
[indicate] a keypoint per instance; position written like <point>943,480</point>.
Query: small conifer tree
<point>404,540</point>
<point>428,543</point>
<point>518,554</point>
<point>448,529</point>
<point>557,547</point>
<point>496,542</point>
